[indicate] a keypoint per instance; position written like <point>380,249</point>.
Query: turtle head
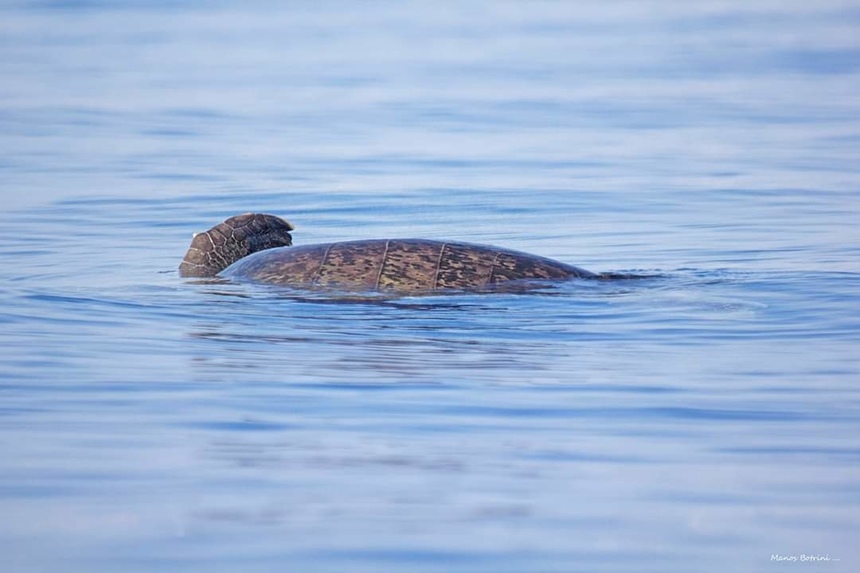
<point>225,243</point>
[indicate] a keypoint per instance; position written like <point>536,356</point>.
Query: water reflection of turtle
<point>257,247</point>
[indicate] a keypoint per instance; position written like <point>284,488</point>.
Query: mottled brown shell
<point>402,265</point>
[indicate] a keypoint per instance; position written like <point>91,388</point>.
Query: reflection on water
<point>586,421</point>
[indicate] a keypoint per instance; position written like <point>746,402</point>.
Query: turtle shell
<point>402,265</point>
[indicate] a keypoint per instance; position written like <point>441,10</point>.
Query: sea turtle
<point>257,247</point>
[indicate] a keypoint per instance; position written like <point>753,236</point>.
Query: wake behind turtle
<point>258,247</point>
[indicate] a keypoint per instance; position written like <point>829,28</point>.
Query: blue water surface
<point>704,419</point>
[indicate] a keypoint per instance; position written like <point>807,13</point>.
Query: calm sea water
<point>705,420</point>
